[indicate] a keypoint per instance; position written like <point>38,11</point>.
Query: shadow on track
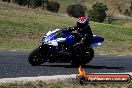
<point>87,66</point>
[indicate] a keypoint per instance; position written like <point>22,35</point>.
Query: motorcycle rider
<point>84,30</point>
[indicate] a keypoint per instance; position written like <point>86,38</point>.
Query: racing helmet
<point>82,22</point>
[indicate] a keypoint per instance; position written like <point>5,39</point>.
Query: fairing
<point>55,36</point>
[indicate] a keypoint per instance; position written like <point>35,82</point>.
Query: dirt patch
<point>128,24</point>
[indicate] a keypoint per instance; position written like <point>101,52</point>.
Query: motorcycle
<point>57,47</point>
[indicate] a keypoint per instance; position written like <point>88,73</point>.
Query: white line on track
<point>120,55</point>
<point>103,54</point>
<point>12,50</point>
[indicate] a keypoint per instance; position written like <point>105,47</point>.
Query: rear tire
<point>88,56</point>
<point>75,63</point>
<point>37,57</point>
<point>83,58</point>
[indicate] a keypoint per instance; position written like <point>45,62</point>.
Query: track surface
<point>15,64</point>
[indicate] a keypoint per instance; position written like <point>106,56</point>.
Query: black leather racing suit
<point>86,35</point>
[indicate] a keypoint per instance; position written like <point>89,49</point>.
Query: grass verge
<point>64,84</point>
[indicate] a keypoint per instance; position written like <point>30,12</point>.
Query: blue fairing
<point>70,39</point>
<point>97,39</point>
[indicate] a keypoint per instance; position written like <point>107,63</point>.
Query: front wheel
<point>37,57</point>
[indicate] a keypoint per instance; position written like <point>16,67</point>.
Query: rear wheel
<point>37,57</point>
<point>83,57</point>
<point>75,62</point>
<point>88,56</point>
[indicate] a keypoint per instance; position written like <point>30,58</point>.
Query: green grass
<point>22,29</point>
<point>63,84</point>
<point>118,39</point>
<point>120,22</point>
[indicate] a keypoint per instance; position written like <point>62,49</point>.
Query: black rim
<point>87,54</point>
<point>38,57</point>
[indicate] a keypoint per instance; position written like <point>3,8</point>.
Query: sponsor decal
<point>82,77</point>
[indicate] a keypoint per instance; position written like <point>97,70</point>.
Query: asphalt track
<point>14,64</point>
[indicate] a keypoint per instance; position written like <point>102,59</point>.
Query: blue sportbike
<point>58,47</point>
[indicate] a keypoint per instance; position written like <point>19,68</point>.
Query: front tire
<point>37,57</point>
